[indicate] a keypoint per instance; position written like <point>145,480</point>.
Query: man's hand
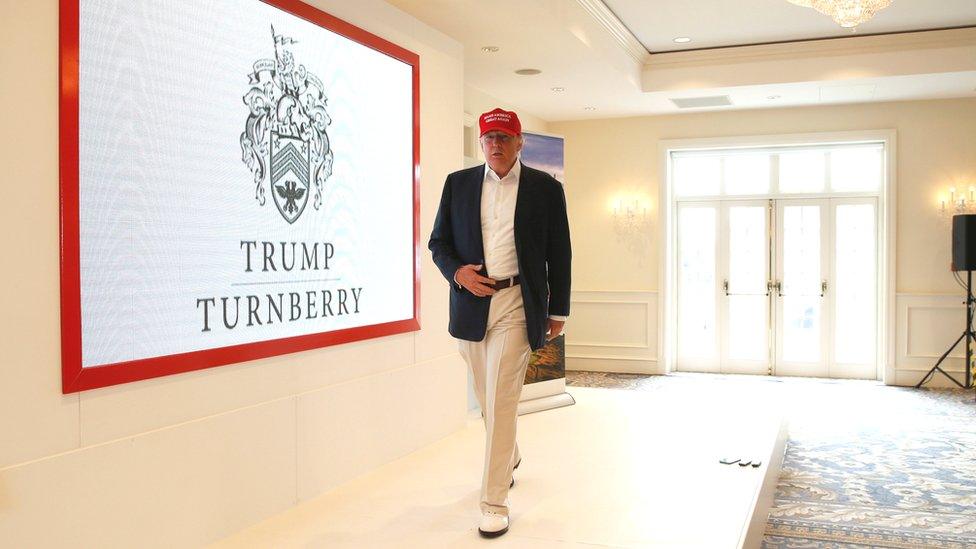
<point>555,328</point>
<point>468,277</point>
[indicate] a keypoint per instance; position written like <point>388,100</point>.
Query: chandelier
<point>847,13</point>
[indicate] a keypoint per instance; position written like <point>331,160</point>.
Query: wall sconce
<point>629,217</point>
<point>632,226</point>
<point>958,202</point>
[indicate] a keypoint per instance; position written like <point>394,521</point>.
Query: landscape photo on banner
<point>545,152</point>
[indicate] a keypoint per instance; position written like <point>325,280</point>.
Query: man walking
<point>501,238</point>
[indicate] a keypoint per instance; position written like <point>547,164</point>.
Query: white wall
<point>611,158</point>
<point>184,459</point>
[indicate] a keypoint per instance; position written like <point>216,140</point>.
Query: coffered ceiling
<point>723,23</point>
<point>618,57</point>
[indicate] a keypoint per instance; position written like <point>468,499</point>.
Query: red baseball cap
<point>503,121</point>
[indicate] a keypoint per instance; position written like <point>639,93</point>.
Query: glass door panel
<point>801,258</point>
<point>855,289</point>
<point>697,306</point>
<point>820,318</point>
<point>745,264</point>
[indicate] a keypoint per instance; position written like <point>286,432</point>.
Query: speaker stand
<point>968,334</point>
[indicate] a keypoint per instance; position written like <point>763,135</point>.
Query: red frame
<point>74,378</point>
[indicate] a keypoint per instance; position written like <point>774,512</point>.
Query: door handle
<point>779,288</point>
<point>823,288</point>
<point>769,287</point>
<point>725,286</point>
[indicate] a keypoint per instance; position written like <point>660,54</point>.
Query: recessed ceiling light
<point>682,40</point>
<point>589,108</point>
<point>558,89</point>
<point>528,72</point>
<point>489,49</point>
<point>772,97</point>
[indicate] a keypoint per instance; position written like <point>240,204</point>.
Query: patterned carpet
<point>866,465</point>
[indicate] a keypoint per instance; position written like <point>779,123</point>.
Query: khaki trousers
<point>498,365</point>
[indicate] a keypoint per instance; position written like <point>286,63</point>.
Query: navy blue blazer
<point>541,245</point>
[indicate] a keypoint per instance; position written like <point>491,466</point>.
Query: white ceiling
<point>721,23</point>
<point>580,46</point>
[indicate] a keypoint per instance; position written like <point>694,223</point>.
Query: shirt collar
<point>515,172</point>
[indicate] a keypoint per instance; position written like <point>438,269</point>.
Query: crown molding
<point>948,38</point>
<point>620,33</point>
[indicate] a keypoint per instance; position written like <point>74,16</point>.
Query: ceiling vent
<point>697,102</point>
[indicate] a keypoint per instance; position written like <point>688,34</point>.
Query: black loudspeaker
<point>964,242</point>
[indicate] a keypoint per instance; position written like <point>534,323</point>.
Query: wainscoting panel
<point>612,331</point>
<point>927,324</point>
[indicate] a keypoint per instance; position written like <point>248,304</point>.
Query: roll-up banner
<point>545,376</point>
<point>239,179</point>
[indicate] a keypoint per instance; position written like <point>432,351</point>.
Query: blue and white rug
<point>904,475</point>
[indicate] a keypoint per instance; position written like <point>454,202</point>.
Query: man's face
<point>501,150</point>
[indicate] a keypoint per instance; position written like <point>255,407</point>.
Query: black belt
<point>506,282</point>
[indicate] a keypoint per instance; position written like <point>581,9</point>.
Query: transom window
<point>849,168</point>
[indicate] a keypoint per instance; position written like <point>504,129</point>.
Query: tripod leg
<point>952,379</point>
<point>942,359</point>
<point>969,325</point>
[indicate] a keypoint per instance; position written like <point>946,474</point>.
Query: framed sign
<point>239,179</point>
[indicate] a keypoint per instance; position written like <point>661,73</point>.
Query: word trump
<point>291,305</point>
<point>307,256</point>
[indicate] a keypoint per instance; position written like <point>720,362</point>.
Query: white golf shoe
<point>493,524</point>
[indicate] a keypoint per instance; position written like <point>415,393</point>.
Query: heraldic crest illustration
<point>284,143</point>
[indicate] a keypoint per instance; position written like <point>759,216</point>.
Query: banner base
<point>545,403</point>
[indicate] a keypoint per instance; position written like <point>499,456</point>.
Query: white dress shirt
<point>498,196</point>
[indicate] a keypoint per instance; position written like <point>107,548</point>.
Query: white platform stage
<point>621,468</point>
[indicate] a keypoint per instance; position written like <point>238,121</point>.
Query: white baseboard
<point>612,364</point>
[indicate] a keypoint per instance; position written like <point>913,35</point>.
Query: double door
<point>783,287</point>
